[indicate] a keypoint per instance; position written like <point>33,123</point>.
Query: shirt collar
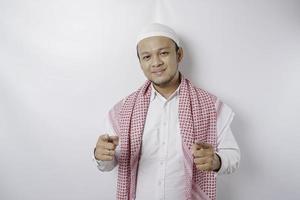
<point>155,93</point>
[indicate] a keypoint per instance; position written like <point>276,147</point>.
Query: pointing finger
<point>114,140</point>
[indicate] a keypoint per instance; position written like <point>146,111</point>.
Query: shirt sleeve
<point>108,165</point>
<point>227,147</point>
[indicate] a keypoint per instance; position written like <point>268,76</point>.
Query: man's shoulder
<point>218,103</point>
<point>204,92</point>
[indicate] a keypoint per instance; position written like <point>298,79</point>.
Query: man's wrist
<point>217,163</point>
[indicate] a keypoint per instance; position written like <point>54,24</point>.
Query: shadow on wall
<point>243,177</point>
<point>187,65</point>
<point>246,173</point>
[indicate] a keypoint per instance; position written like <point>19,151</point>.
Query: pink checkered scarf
<point>197,121</point>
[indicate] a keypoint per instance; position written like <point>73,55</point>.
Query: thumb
<point>115,140</point>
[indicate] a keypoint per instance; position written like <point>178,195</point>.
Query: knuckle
<point>108,145</point>
<point>100,149</point>
<point>98,156</point>
<point>203,159</point>
<point>112,153</point>
<point>99,144</point>
<point>109,152</point>
<point>97,151</point>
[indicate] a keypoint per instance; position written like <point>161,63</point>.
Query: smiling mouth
<point>158,72</point>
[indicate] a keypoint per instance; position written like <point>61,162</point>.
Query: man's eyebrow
<point>167,47</point>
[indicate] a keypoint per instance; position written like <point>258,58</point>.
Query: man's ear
<point>179,54</point>
<point>137,54</point>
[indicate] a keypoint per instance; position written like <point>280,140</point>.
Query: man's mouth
<point>158,72</point>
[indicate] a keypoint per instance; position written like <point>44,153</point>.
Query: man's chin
<point>160,83</point>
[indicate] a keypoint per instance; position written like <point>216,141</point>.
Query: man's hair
<point>176,49</point>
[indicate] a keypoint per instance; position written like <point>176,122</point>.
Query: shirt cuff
<point>229,161</point>
<point>222,163</point>
<point>104,165</point>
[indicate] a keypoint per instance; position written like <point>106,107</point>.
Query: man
<point>169,138</point>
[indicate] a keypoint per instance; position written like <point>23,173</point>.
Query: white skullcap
<point>156,29</point>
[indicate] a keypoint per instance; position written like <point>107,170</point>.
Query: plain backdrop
<point>64,63</point>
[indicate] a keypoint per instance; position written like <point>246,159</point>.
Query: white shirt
<point>161,169</point>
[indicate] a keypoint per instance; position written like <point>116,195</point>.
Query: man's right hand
<point>105,147</point>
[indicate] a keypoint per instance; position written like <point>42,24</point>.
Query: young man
<point>169,138</point>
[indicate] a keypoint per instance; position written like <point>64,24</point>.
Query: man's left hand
<point>205,158</point>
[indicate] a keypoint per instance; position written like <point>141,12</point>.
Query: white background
<point>63,64</point>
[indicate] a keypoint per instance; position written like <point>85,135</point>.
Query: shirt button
<point>161,162</point>
<point>159,182</point>
<point>163,143</point>
<point>165,123</point>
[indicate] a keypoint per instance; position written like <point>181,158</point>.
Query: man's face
<point>159,59</point>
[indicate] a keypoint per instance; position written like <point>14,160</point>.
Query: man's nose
<point>156,61</point>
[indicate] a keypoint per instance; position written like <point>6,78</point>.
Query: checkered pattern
<point>197,121</point>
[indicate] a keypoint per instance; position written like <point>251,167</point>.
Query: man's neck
<point>167,90</point>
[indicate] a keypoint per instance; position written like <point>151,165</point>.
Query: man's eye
<point>146,57</point>
<point>164,53</point>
